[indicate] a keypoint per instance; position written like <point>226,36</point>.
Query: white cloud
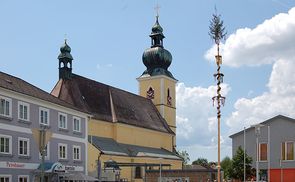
<point>266,43</point>
<point>196,117</point>
<point>280,99</point>
<point>271,42</point>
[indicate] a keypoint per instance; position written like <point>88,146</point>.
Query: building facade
<point>134,130</point>
<point>24,110</point>
<point>275,148</point>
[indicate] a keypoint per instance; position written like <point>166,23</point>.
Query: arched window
<point>169,98</point>
<point>61,64</point>
<point>150,94</point>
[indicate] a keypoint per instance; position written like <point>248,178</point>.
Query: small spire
<point>157,8</point>
<point>65,37</point>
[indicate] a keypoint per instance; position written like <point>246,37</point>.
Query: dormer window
<point>150,94</point>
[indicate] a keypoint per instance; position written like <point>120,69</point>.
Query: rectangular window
<point>76,152</point>
<point>23,146</point>
<point>23,111</point>
<point>263,151</point>
<point>23,178</point>
<point>5,178</point>
<point>62,151</point>
<point>76,124</point>
<point>43,116</point>
<point>62,120</point>
<point>5,106</point>
<point>138,172</point>
<point>5,144</point>
<point>287,150</point>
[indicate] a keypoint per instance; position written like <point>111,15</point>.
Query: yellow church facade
<point>138,132</point>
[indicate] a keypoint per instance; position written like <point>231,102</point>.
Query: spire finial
<point>65,37</point>
<point>157,8</point>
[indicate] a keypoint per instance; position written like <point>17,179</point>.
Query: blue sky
<point>108,38</point>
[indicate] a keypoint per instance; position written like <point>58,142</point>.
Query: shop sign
<point>74,168</point>
<point>18,165</point>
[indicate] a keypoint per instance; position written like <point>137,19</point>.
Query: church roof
<point>18,85</point>
<point>110,147</point>
<point>110,104</point>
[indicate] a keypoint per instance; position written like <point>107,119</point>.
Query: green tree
<point>185,156</point>
<point>201,161</point>
<point>226,165</point>
<point>237,169</point>
<point>216,29</point>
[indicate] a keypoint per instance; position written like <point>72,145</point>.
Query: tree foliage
<point>226,166</point>
<point>185,156</point>
<point>237,170</point>
<point>216,29</point>
<point>201,161</point>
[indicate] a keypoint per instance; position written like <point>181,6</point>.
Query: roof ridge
<point>112,87</point>
<point>40,90</point>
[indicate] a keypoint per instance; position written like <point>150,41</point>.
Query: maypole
<point>217,33</point>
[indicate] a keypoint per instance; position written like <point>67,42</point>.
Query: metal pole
<point>257,155</point>
<point>281,170</point>
<point>42,143</point>
<point>268,152</point>
<point>244,154</point>
<point>160,171</point>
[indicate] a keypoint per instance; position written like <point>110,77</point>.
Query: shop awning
<point>50,167</point>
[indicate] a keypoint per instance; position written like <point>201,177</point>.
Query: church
<point>137,132</point>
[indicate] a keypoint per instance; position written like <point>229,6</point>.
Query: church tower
<point>156,82</point>
<point>65,61</point>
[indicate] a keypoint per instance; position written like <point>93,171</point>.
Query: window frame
<point>9,142</point>
<point>286,151</point>
<point>28,146</point>
<point>66,120</point>
<point>78,119</point>
<point>48,118</point>
<point>6,176</point>
<point>79,148</point>
<point>23,176</point>
<point>138,174</point>
<point>19,103</point>
<point>9,108</point>
<point>66,151</point>
<point>262,143</point>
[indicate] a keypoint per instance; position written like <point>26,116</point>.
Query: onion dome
<point>65,51</point>
<point>157,27</point>
<point>156,58</point>
<point>65,61</point>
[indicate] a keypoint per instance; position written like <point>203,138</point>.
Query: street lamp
<point>257,133</point>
